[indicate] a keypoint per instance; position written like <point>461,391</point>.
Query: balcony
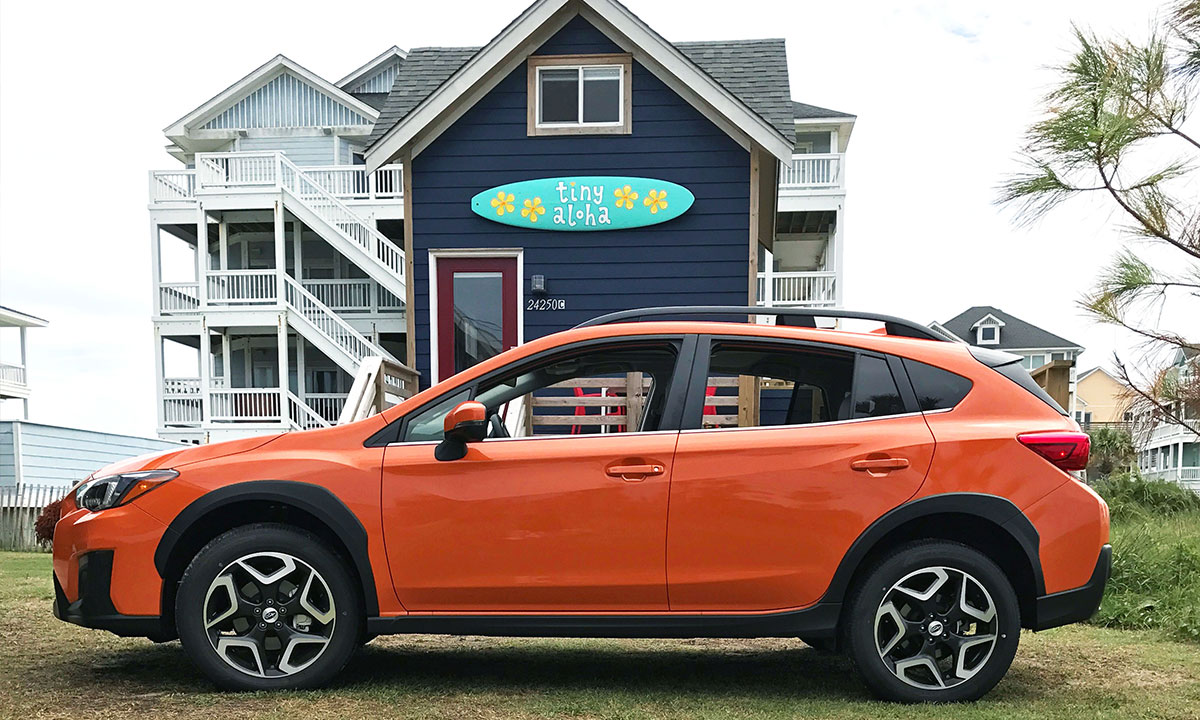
<point>13,382</point>
<point>1188,477</point>
<point>172,188</point>
<point>813,173</point>
<point>797,289</point>
<point>250,289</point>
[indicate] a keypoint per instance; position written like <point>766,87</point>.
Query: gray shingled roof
<point>804,111</point>
<point>420,74</point>
<point>1016,333</point>
<point>753,70</point>
<point>375,100</point>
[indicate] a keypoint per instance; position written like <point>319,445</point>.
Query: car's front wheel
<point>267,606</point>
<point>934,622</point>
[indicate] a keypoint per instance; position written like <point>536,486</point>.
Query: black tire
<point>906,635</point>
<point>331,592</point>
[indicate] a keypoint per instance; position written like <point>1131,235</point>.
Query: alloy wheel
<point>269,614</point>
<point>936,628</point>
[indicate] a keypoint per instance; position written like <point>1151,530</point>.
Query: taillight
<point>1064,449</point>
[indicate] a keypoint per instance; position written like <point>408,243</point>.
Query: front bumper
<point>1079,604</point>
<point>94,608</point>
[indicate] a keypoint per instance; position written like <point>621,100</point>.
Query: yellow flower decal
<point>503,202</point>
<point>656,200</point>
<point>532,209</point>
<point>625,197</point>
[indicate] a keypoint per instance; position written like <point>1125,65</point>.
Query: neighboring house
<point>1048,357</point>
<point>40,454</point>
<point>1101,400</point>
<point>333,223</point>
<point>1171,451</point>
<point>14,380</point>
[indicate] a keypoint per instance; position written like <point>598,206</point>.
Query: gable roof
<point>372,66</point>
<point>804,111</point>
<point>1098,369</point>
<point>421,72</point>
<point>753,70</point>
<point>482,69</point>
<point>1017,334</point>
<point>260,77</point>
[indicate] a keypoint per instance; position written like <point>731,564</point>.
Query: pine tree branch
<point>1150,228</point>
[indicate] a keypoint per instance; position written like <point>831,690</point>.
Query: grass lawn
<point>51,669</point>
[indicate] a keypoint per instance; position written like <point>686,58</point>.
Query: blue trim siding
<point>701,257</point>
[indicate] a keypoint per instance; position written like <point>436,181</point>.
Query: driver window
<point>613,389</point>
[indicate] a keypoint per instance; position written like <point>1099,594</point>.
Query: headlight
<point>113,490</point>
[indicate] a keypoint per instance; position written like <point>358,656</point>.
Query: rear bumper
<point>94,608</point>
<point>1078,604</point>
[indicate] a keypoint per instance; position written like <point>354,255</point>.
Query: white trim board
<point>515,42</point>
<point>372,65</point>
<point>448,253</point>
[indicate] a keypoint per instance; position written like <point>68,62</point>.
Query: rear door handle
<point>634,473</point>
<point>874,465</point>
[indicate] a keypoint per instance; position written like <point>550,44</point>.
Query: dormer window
<point>579,94</point>
<point>989,335</point>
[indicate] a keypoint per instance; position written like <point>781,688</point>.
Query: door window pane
<point>875,393</point>
<point>601,95</point>
<point>757,386</point>
<point>559,93</point>
<point>478,317</point>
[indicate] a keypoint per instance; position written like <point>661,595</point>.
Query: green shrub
<point>1132,497</point>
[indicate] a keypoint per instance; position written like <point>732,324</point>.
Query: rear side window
<point>936,389</point>
<point>875,393</point>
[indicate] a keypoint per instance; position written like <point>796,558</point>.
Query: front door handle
<point>634,473</point>
<point>879,465</point>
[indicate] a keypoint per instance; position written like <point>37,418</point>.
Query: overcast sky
<point>942,90</point>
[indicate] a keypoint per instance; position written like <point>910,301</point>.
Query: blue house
<point>439,205</point>
<point>572,90</point>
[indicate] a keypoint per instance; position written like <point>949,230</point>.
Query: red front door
<point>476,311</point>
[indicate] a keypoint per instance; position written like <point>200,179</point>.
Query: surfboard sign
<point>583,203</point>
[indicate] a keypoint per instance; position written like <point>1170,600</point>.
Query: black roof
<point>1016,333</point>
<point>804,111</point>
<point>755,71</point>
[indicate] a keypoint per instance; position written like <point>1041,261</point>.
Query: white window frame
<point>995,339</point>
<point>621,63</point>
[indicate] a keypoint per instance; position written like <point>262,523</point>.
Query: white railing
<point>303,417</point>
<point>797,288</point>
<point>224,170</point>
<point>242,287</point>
<point>327,405</point>
<point>244,405</point>
<point>13,374</point>
<point>179,297</point>
<point>181,402</point>
<point>335,329</point>
<point>374,244</point>
<point>812,171</point>
<point>1179,474</point>
<point>181,386</point>
<point>167,186</point>
<point>343,295</point>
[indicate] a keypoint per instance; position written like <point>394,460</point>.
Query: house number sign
<point>589,202</point>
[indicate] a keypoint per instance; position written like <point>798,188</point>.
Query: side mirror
<point>466,423</point>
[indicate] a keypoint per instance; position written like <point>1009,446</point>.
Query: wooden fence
<point>19,509</point>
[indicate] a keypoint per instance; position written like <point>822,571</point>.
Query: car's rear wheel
<point>934,622</point>
<point>267,606</point>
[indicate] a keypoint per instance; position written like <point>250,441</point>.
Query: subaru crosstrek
<point>902,499</point>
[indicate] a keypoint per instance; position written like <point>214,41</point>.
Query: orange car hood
<point>185,455</point>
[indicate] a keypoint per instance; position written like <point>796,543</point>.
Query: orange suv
<point>892,495</point>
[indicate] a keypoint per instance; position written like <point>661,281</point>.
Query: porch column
<point>838,283</point>
<point>159,377</point>
<point>25,368</point>
<point>296,251</point>
<point>201,255</point>
<point>768,278</point>
<point>301,381</point>
<point>156,266</point>
<point>281,337</point>
<point>280,251</point>
<point>205,374</point>
<point>223,242</point>
<point>225,362</point>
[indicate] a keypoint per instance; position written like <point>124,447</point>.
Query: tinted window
<point>875,393</point>
<point>427,424</point>
<point>762,386</point>
<point>936,389</point>
<point>560,95</point>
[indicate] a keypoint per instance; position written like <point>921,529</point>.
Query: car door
<point>789,452</point>
<point>568,513</point>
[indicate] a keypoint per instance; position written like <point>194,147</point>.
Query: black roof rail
<point>806,317</point>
